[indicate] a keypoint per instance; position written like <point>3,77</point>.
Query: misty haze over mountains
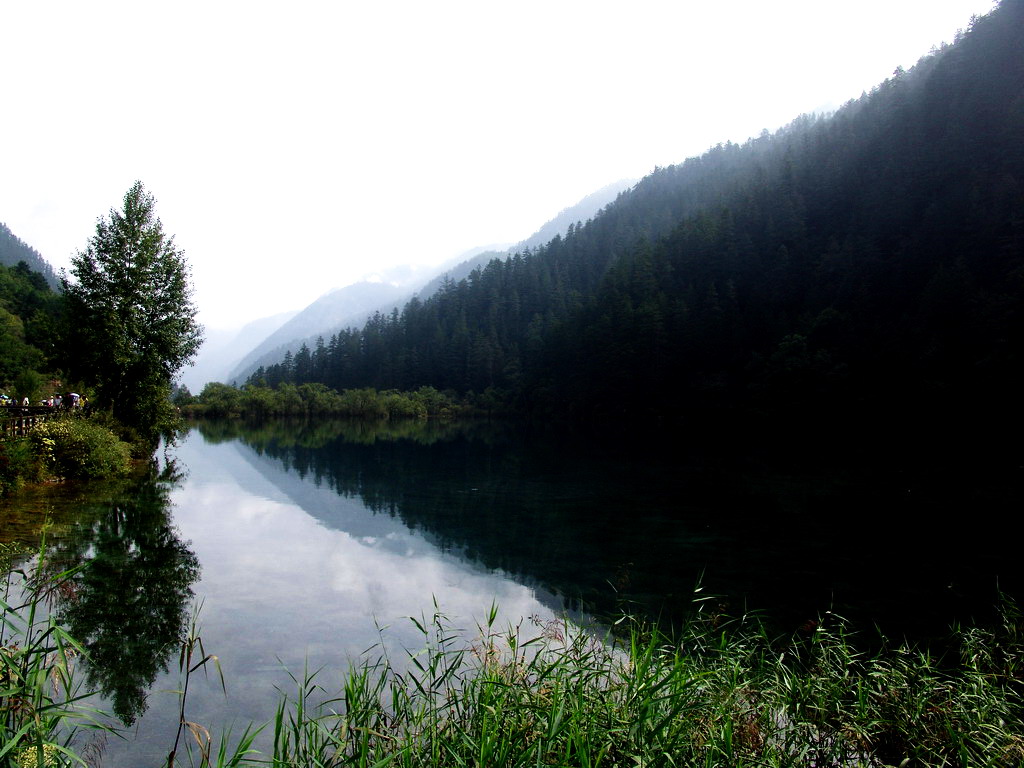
<point>232,357</point>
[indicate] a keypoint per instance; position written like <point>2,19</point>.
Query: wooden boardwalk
<point>17,420</point>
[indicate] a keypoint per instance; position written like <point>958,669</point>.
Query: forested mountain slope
<point>29,313</point>
<point>13,251</point>
<point>876,257</point>
<point>871,259</point>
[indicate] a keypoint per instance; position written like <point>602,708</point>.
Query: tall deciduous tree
<point>132,319</point>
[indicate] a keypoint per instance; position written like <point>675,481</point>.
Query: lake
<point>307,545</point>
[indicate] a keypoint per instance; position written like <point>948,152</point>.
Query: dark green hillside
<point>13,251</point>
<point>28,319</point>
<point>29,312</point>
<point>874,258</point>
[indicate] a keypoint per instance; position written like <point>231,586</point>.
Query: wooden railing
<point>17,420</point>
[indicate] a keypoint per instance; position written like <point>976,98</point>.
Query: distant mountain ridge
<point>341,308</point>
<point>222,350</point>
<point>579,213</point>
<point>352,305</point>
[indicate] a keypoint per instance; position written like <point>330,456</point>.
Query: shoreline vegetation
<point>313,399</point>
<point>121,328</point>
<point>70,446</point>
<point>719,691</point>
<point>96,445</point>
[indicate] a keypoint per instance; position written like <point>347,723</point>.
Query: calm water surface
<point>301,543</point>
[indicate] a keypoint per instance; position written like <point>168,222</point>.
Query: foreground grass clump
<point>719,694</point>
<point>43,715</point>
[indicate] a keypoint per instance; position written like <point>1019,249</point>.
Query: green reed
<point>43,710</point>
<point>722,693</point>
<point>718,692</point>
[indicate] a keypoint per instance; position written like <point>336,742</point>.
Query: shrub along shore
<point>72,446</point>
<point>313,399</point>
<point>79,446</point>
<point>720,692</point>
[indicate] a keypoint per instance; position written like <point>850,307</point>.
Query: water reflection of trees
<point>529,504</point>
<point>286,433</point>
<point>130,604</point>
<point>790,527</point>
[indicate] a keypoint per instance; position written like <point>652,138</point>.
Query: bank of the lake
<point>69,444</point>
<point>303,539</point>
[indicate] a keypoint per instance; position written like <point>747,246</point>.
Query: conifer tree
<point>132,322</point>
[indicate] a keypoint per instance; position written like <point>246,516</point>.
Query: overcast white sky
<point>295,147</point>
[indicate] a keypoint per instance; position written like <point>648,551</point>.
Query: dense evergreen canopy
<point>874,257</point>
<point>14,251</point>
